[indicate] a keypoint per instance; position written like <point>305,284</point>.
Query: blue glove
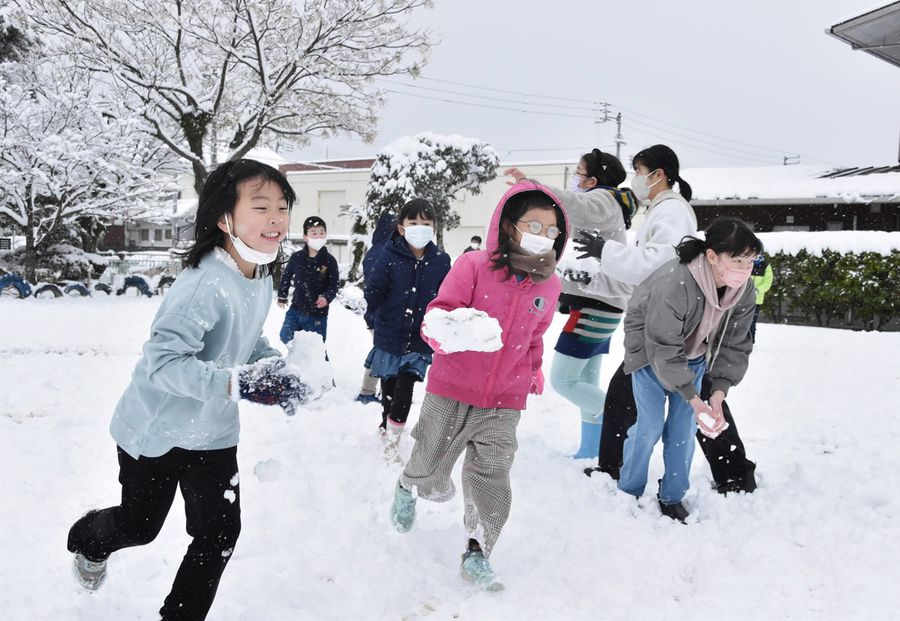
<point>589,244</point>
<point>269,382</point>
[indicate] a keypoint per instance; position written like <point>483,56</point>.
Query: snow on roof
<point>791,182</point>
<point>792,242</point>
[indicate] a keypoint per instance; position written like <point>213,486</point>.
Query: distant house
<point>799,198</point>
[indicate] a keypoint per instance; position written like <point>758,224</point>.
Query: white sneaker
<point>90,574</point>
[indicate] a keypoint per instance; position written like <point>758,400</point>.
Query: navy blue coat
<point>383,230</point>
<point>311,277</point>
<point>397,292</point>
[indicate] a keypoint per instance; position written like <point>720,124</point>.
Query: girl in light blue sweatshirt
<point>177,423</point>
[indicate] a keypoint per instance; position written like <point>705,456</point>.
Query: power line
<point>478,105</point>
<point>500,90</point>
<point>780,152</point>
<point>701,141</point>
<point>595,109</point>
<point>693,146</point>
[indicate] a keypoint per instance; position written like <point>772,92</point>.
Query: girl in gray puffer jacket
<point>694,309</point>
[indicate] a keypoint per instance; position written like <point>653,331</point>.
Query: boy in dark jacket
<point>314,274</point>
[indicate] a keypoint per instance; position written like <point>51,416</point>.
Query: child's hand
<point>516,174</point>
<point>268,382</point>
<point>537,383</point>
<point>321,302</point>
<point>433,344</point>
<point>710,422</point>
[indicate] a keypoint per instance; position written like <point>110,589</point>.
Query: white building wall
<point>319,193</point>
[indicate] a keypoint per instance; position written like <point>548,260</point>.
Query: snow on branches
<point>433,167</point>
<point>208,73</point>
<point>64,156</point>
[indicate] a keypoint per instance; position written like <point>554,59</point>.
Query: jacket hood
<point>383,229</point>
<point>493,236</point>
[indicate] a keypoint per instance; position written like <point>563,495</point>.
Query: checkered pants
<point>445,429</point>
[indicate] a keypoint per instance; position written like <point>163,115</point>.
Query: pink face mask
<point>733,277</point>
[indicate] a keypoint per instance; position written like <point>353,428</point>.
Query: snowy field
<point>818,540</point>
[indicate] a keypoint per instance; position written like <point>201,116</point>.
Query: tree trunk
<point>30,254</point>
<point>439,233</point>
<point>359,249</point>
<point>195,127</point>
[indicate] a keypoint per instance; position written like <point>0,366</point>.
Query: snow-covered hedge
<point>833,288</point>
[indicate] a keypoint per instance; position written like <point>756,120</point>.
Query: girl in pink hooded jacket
<point>474,398</point>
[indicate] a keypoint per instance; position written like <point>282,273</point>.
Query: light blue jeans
<point>677,430</point>
<point>578,380</point>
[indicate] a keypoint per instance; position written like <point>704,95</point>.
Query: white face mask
<point>247,253</point>
<point>418,235</point>
<point>573,184</point>
<point>535,244</point>
<point>316,244</point>
<point>641,188</point>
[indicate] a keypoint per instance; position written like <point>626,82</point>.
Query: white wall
<point>322,192</point>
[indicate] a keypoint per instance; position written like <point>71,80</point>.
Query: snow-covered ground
<point>818,540</point>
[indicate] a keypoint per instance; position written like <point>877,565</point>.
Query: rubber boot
<point>590,441</point>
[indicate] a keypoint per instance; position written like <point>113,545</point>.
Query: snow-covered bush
<point>432,167</point>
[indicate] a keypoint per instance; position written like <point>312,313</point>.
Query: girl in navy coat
<point>406,277</point>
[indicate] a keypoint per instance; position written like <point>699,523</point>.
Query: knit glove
<point>269,382</point>
<point>589,245</point>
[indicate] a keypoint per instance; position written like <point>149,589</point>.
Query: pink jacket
<point>500,379</point>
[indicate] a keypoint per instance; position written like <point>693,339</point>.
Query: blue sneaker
<point>477,570</point>
<point>403,509</point>
<point>367,398</point>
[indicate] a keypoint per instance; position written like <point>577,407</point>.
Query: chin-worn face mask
<point>418,235</point>
<point>247,253</point>
<point>641,188</point>
<point>535,244</point>
<point>316,244</point>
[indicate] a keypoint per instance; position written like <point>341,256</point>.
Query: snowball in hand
<point>463,329</point>
<point>307,352</point>
<point>706,424</point>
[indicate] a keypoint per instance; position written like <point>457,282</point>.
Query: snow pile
<point>352,298</point>
<point>814,242</point>
<point>462,329</point>
<point>315,493</point>
<point>307,353</point>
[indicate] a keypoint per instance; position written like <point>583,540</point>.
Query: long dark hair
<point>219,197</point>
<point>514,208</point>
<point>661,157</point>
<point>724,235</point>
<point>604,167</point>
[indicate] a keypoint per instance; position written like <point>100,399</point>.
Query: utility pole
<point>619,139</point>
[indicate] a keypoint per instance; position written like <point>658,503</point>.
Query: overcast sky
<point>724,83</point>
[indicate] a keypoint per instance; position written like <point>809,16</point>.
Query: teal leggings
<point>578,380</point>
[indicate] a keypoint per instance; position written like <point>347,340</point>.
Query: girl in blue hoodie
<point>406,277</point>
<point>177,423</point>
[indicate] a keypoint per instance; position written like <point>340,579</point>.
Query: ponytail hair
<point>724,235</point>
<point>604,167</point>
<point>661,157</point>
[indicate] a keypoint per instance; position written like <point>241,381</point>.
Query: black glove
<point>269,382</point>
<point>589,244</point>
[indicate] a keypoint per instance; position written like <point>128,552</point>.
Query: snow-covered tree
<point>359,240</point>
<point>433,167</point>
<point>208,76</point>
<point>66,160</point>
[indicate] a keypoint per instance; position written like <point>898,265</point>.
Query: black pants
<point>212,506</point>
<point>730,468</point>
<point>396,397</point>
